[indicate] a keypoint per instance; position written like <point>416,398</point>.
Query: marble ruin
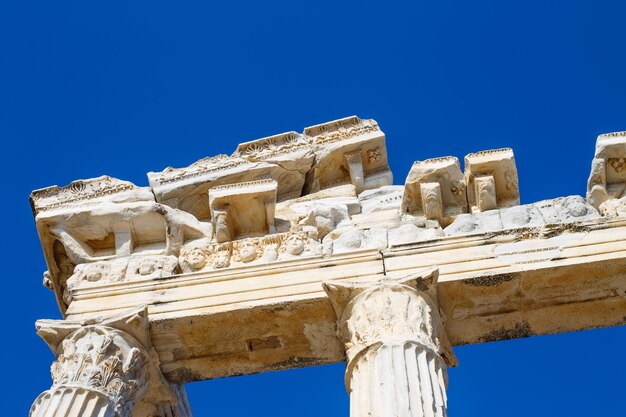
<point>298,250</point>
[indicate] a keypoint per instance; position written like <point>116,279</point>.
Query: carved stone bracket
<point>103,368</point>
<point>396,347</point>
<point>606,187</point>
<point>435,189</point>
<point>491,180</point>
<point>243,209</point>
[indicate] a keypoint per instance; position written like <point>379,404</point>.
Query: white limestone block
<point>410,233</point>
<point>565,210</point>
<point>243,209</point>
<point>554,211</point>
<point>435,190</point>
<point>607,179</point>
<point>491,180</point>
<point>349,151</point>
<point>521,216</point>
<point>380,199</point>
<point>325,218</point>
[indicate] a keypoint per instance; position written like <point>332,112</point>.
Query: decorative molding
<point>272,146</point>
<point>83,192</point>
<point>613,135</point>
<point>341,129</point>
<point>245,186</point>
<point>489,152</point>
<point>203,166</point>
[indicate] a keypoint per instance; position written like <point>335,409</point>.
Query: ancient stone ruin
<point>297,250</point>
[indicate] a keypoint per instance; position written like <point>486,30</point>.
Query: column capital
<point>134,323</point>
<point>109,361</point>
<point>390,310</point>
<point>396,345</point>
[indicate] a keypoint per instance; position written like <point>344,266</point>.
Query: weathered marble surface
<point>239,246</point>
<point>293,196</point>
<point>607,180</point>
<point>396,346</point>
<point>556,211</point>
<point>106,368</point>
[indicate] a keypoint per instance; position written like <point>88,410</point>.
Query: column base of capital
<point>72,401</point>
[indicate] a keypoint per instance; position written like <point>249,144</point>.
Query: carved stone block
<point>349,150</point>
<point>491,180</point>
<point>244,209</point>
<point>186,188</point>
<point>151,266</point>
<point>384,198</point>
<point>435,190</point>
<point>560,210</point>
<point>607,180</point>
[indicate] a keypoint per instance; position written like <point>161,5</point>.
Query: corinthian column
<point>104,369</point>
<point>396,347</point>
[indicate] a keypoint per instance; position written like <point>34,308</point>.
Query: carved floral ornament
<point>374,155</point>
<point>107,360</point>
<point>103,359</point>
<point>55,197</point>
<point>389,311</point>
<point>457,187</point>
<point>341,129</point>
<point>274,145</point>
<point>510,178</point>
<point>618,164</point>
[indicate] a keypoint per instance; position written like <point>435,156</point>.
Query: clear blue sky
<point>123,88</point>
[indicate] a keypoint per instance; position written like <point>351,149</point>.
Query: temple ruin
<point>298,250</point>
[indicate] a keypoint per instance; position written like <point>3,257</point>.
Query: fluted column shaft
<point>67,401</point>
<point>401,379</point>
<point>396,348</point>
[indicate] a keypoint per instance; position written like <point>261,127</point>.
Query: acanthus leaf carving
<point>404,309</point>
<point>104,359</point>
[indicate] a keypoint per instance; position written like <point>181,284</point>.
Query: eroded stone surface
<point>388,197</point>
<point>607,180</point>
<point>230,255</point>
<point>491,180</point>
<point>396,345</point>
<point>106,367</point>
<point>435,189</point>
<point>556,211</point>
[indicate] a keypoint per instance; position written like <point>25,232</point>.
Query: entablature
<point>254,234</point>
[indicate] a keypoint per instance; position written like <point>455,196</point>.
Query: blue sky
<point>123,88</point>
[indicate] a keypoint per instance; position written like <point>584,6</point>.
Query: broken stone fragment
<point>351,239</point>
<point>411,233</point>
<point>384,198</point>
